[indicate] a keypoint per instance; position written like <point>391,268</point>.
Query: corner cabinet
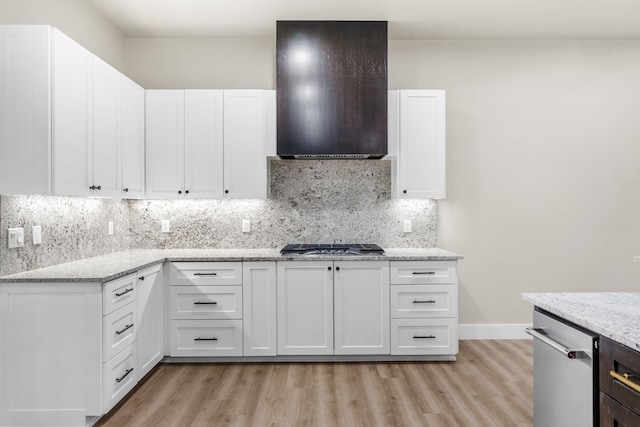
<point>205,144</point>
<point>61,116</point>
<point>72,351</point>
<point>417,143</point>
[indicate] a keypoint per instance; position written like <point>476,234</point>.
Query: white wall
<point>76,18</point>
<point>543,190</point>
<point>201,63</point>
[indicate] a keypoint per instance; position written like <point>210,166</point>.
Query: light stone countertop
<point>615,315</point>
<point>108,267</point>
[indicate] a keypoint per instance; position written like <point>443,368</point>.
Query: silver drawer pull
<point>205,274</point>
<point>429,301</point>
<point>423,337</point>
<point>205,339</point>
<point>205,302</point>
<point>124,293</point>
<point>127,372</point>
<point>417,273</point>
<point>125,329</point>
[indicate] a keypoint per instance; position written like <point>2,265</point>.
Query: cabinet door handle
<point>417,273</point>
<point>99,187</point>
<point>429,301</point>
<point>226,191</point>
<point>205,339</point>
<point>187,192</point>
<point>127,372</point>
<point>205,302</point>
<point>126,328</point>
<point>179,191</point>
<point>124,293</point>
<point>205,274</point>
<point>126,190</point>
<point>337,268</point>
<point>624,379</point>
<point>329,268</point>
<point>423,337</point>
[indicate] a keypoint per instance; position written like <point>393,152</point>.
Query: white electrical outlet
<point>636,259</point>
<point>407,226</point>
<point>36,233</point>
<point>166,226</point>
<point>15,237</point>
<point>110,228</point>
<point>246,225</point>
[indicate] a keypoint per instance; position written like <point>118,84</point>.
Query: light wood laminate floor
<point>491,384</point>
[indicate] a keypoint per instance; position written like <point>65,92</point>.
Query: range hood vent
<point>332,89</point>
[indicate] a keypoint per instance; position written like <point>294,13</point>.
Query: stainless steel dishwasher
<point>565,373</point>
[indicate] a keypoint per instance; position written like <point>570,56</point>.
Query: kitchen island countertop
<point>615,315</point>
<point>111,266</point>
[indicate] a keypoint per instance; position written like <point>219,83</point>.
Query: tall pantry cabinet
<point>61,116</point>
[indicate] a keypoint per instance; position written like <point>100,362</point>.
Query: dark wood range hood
<point>332,89</point>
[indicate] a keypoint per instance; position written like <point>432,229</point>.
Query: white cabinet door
<point>422,145</point>
<point>203,140</point>
<point>150,319</point>
<point>72,117</point>
<point>245,162</point>
<point>305,307</point>
<point>106,130</point>
<point>361,307</point>
<point>259,304</point>
<point>25,109</point>
<point>132,137</point>
<point>50,357</point>
<point>165,144</point>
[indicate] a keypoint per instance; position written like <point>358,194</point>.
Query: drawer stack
<point>619,384</point>
<point>119,335</point>
<point>424,308</point>
<point>205,307</point>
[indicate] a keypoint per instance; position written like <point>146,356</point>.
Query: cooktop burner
<point>332,249</point>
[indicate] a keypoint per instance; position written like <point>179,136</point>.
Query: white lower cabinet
<point>305,307</point>
<point>424,308</point>
<point>150,318</point>
<point>259,305</point>
<point>361,304</point>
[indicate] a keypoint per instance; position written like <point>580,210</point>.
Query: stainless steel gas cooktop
<point>332,249</point>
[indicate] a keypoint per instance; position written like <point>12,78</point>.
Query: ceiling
<point>408,19</point>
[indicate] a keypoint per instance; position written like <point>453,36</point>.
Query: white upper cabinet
<point>72,117</point>
<point>203,149</point>
<point>165,143</point>
<point>25,109</point>
<point>419,121</point>
<point>245,161</point>
<point>132,139</point>
<point>206,144</point>
<point>105,159</point>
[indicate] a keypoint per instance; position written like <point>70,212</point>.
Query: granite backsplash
<point>310,201</point>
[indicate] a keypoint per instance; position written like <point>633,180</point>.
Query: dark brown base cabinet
<point>619,380</point>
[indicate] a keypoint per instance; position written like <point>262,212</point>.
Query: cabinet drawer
<point>206,338</point>
<point>613,414</point>
<point>424,336</point>
<point>118,293</point>
<point>206,273</point>
<point>422,272</point>
<point>119,330</point>
<point>119,376</point>
<point>623,361</point>
<point>206,302</point>
<point>415,301</point>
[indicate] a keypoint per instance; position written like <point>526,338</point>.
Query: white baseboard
<point>493,332</point>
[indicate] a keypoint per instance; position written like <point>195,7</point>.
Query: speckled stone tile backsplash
<point>72,228</point>
<point>311,201</point>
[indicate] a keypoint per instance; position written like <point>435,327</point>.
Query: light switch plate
<point>246,225</point>
<point>15,237</point>
<point>36,234</point>
<point>166,226</point>
<point>407,226</point>
<point>110,228</point>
